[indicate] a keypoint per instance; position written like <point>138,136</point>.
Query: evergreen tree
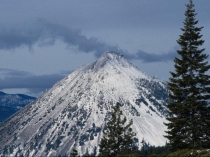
<point>74,153</point>
<point>189,85</point>
<point>118,138</point>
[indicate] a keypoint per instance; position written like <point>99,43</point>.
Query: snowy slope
<point>73,112</point>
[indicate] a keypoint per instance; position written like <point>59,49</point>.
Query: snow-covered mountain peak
<point>110,61</point>
<point>74,112</point>
<point>109,58</point>
<point>111,55</point>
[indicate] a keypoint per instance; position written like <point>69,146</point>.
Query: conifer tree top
<point>189,85</point>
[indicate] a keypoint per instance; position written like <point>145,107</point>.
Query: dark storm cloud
<point>33,83</point>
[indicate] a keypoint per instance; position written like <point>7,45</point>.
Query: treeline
<point>160,151</point>
<point>150,151</point>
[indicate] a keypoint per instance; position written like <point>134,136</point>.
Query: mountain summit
<point>73,113</point>
<point>112,59</point>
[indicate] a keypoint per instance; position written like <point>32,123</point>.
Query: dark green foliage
<point>189,124</point>
<point>190,153</point>
<point>118,138</point>
<point>74,153</point>
<point>148,151</point>
<point>87,155</point>
<point>129,155</point>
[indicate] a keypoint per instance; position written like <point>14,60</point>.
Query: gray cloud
<point>46,33</point>
<point>33,83</point>
<point>148,57</point>
<point>11,72</point>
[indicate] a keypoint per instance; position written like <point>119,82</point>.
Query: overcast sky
<point>42,41</point>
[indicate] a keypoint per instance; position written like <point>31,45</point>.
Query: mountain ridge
<point>73,113</point>
<point>11,103</point>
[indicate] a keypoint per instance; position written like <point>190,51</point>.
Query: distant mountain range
<point>11,103</point>
<point>74,112</point>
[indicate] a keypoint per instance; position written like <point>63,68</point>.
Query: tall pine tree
<point>189,124</point>
<point>118,138</point>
